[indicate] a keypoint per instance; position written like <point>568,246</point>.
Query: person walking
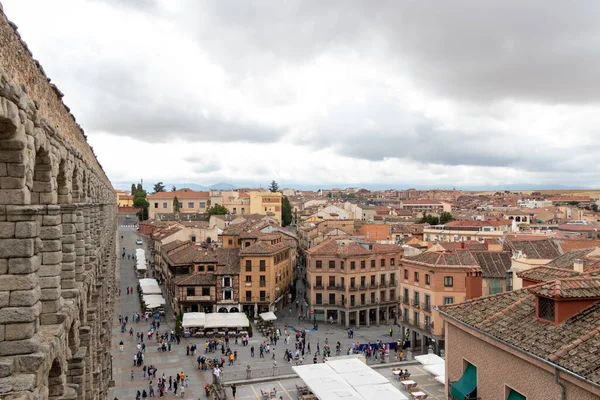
<point>121,345</point>
<point>233,390</point>
<point>391,332</point>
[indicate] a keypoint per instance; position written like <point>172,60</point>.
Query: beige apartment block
<point>353,283</point>
<point>432,279</point>
<point>266,203</point>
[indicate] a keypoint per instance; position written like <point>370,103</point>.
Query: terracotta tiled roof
<point>511,317</point>
<point>569,288</point>
<point>545,274</point>
<point>263,248</point>
<point>195,279</point>
<point>567,259</point>
<point>478,224</point>
<point>192,255</point>
<point>170,246</point>
<point>576,244</point>
<point>459,258</point>
<point>494,264</point>
<point>468,245</point>
<point>540,249</point>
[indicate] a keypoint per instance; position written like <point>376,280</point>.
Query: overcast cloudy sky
<point>397,93</point>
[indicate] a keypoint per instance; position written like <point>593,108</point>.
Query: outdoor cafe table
<point>418,395</point>
<point>408,384</point>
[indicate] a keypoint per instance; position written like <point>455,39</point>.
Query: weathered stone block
<point>50,306</point>
<point>6,368</point>
<point>19,314</point>
<point>26,229</point>
<point>52,245</point>
<point>51,319</point>
<point>50,294</point>
<point>14,196</point>
<point>24,298</point>
<point>9,182</point>
<point>50,232</point>
<point>3,266</point>
<point>15,170</point>
<point>3,171</point>
<point>67,247</point>
<point>68,229</point>
<point>7,230</point>
<point>23,265</point>
<point>49,282</point>
<point>53,257</point>
<point>18,282</point>
<point>51,220</point>
<point>49,270</point>
<point>30,363</point>
<point>19,331</point>
<point>4,299</point>
<point>16,248</point>
<point>24,382</point>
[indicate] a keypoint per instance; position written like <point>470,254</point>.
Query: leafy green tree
<point>217,209</point>
<point>595,207</point>
<point>445,217</point>
<point>573,203</point>
<point>286,212</point>
<point>173,189</point>
<point>429,219</point>
<point>140,188</point>
<point>133,189</point>
<point>140,202</point>
<point>273,187</point>
<point>175,204</point>
<point>159,187</point>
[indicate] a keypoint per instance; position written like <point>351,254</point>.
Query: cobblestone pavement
<point>175,361</point>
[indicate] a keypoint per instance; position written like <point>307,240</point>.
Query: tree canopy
<point>159,187</point>
<point>173,189</point>
<point>175,204</point>
<point>286,212</point>
<point>273,187</point>
<point>217,209</point>
<point>445,217</point>
<point>140,202</point>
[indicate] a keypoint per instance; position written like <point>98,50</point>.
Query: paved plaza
<point>176,361</point>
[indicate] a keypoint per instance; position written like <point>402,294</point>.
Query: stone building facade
<point>57,240</point>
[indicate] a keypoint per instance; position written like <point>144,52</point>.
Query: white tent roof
<point>153,299</point>
<point>147,282</point>
<point>268,316</point>
<point>436,369</point>
<point>193,320</point>
<point>141,266</point>
<point>347,379</point>
<point>385,391</point>
<point>441,379</point>
<point>430,359</point>
<point>151,289</point>
<point>140,253</point>
<point>346,365</point>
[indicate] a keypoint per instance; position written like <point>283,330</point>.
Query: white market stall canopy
<point>140,253</point>
<point>154,300</point>
<point>151,289</point>
<point>268,316</point>
<point>193,320</point>
<point>347,379</point>
<point>430,359</point>
<point>141,266</point>
<point>148,281</point>
<point>215,320</point>
<point>436,369</point>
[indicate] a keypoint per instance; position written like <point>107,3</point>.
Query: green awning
<point>515,396</point>
<point>466,384</point>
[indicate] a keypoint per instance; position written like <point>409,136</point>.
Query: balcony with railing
<point>336,287</point>
<point>405,300</point>
<point>353,288</point>
<point>390,299</point>
<point>416,304</point>
<point>262,283</point>
<point>318,286</point>
<point>383,284</point>
<point>373,286</point>
<point>393,283</point>
<point>363,286</point>
<point>426,306</point>
<point>191,298</point>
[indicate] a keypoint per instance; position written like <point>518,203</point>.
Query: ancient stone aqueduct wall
<point>57,240</point>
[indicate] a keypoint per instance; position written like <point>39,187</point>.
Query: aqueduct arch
<point>57,240</point>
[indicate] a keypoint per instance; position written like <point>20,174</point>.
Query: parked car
<point>139,242</point>
<point>127,217</point>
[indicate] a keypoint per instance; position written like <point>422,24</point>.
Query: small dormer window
<point>546,309</point>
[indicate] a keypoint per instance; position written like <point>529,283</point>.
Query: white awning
<point>268,316</point>
<point>141,266</point>
<point>148,282</point>
<point>193,320</point>
<point>347,379</point>
<point>430,359</point>
<point>153,299</point>
<point>140,253</point>
<point>441,379</point>
<point>151,289</point>
<point>436,369</point>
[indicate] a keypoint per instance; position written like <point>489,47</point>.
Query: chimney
<point>578,266</point>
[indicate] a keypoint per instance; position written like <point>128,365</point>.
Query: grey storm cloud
<point>537,50</point>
